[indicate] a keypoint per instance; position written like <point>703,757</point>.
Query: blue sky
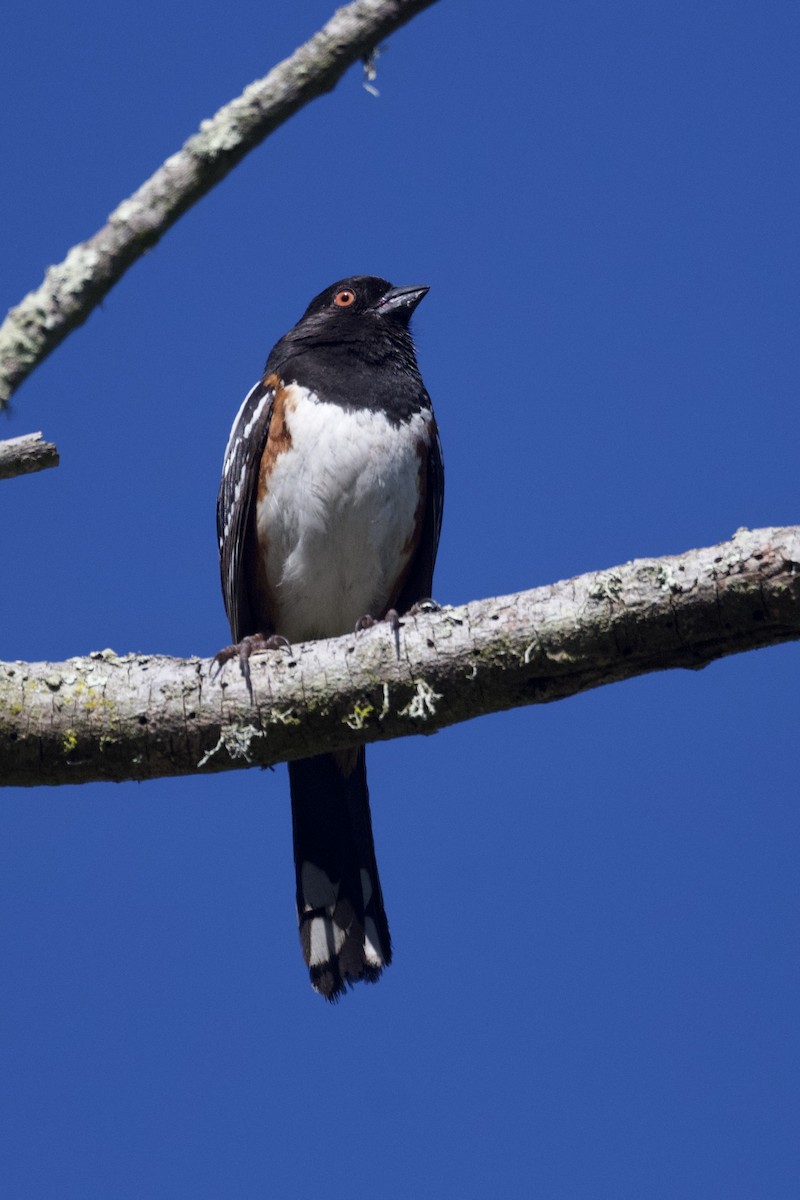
<point>593,904</point>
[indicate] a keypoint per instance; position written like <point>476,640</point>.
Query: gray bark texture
<point>75,286</point>
<point>111,717</point>
<point>26,454</point>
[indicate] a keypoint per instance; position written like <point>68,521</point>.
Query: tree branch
<point>143,716</point>
<point>26,454</point>
<point>74,287</point>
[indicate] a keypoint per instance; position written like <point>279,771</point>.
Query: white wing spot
<point>251,424</point>
<point>372,944</point>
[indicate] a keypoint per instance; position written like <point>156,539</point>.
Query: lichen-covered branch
<point>75,286</point>
<point>26,454</point>
<point>143,716</point>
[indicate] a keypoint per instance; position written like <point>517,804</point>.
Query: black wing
<point>419,581</point>
<point>236,499</point>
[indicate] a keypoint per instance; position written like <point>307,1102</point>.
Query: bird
<point>329,513</point>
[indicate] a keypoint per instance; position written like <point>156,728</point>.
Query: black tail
<point>343,928</point>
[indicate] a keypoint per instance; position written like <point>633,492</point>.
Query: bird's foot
<point>254,643</point>
<point>424,606</point>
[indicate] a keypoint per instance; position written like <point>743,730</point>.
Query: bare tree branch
<point>143,716</point>
<point>74,287</point>
<point>26,454</point>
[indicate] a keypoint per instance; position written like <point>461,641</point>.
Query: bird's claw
<point>392,618</point>
<point>254,643</point>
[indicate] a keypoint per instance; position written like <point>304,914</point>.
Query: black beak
<point>400,300</point>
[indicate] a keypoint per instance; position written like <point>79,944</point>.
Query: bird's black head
<point>365,296</point>
<point>353,346</point>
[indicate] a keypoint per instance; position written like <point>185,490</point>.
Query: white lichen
<point>422,704</point>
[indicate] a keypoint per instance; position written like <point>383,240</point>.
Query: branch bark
<point>74,287</point>
<point>106,717</point>
<point>26,454</point>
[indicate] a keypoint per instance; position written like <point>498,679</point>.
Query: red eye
<point>344,298</point>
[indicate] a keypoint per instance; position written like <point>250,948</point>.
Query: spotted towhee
<point>328,517</point>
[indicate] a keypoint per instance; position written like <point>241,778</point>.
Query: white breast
<point>339,515</point>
